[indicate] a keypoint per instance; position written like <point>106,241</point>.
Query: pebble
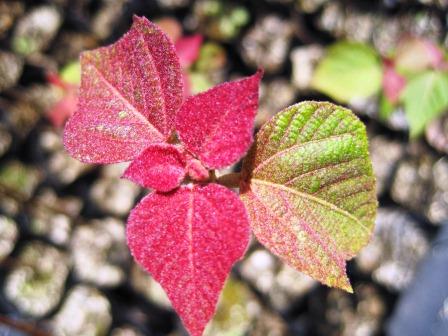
<point>99,252</point>
<point>143,283</point>
<point>36,282</point>
<point>397,246</point>
<point>385,155</point>
<point>86,311</point>
<point>52,216</point>
<point>304,60</point>
<point>266,45</point>
<point>275,95</point>
<point>112,194</point>
<point>11,67</point>
<point>279,282</point>
<point>34,31</point>
<point>8,236</point>
<point>437,134</point>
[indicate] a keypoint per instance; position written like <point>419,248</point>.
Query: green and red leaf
<point>309,189</point>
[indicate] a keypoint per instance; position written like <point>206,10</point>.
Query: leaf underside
<point>188,240</point>
<point>309,189</point>
<point>130,92</point>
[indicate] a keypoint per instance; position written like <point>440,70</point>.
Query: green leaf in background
<point>425,97</point>
<point>386,108</point>
<point>349,71</point>
<point>71,73</point>
<point>309,189</point>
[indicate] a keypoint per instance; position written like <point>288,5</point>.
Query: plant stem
<point>231,180</point>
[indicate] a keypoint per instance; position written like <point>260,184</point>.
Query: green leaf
<point>309,189</point>
<point>425,98</point>
<point>71,73</point>
<point>349,71</point>
<point>386,108</point>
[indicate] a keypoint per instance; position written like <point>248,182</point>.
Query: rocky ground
<point>64,265</point>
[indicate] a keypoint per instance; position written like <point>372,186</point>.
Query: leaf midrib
<point>314,199</point>
<point>303,144</point>
<point>126,101</point>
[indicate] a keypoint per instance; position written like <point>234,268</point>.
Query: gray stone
<point>279,282</point>
<point>35,284</point>
<point>52,216</point>
<point>385,155</point>
<point>393,254</point>
<point>437,134</point>
<point>99,252</point>
<point>274,97</point>
<point>304,60</point>
<point>34,31</point>
<point>61,166</point>
<point>5,140</point>
<point>11,67</point>
<point>310,6</point>
<point>266,44</point>
<point>412,183</point>
<point>8,236</point>
<point>85,312</point>
<point>107,16</point>
<point>437,209</point>
<point>143,283</point>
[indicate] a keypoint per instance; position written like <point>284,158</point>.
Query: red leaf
<point>63,109</point>
<point>393,82</point>
<point>160,167</point>
<point>196,170</point>
<point>216,125</point>
<point>188,240</point>
<point>129,95</point>
<point>187,49</point>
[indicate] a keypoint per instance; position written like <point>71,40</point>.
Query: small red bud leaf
<point>188,240</point>
<point>196,170</point>
<point>309,189</point>
<point>217,125</point>
<point>130,92</point>
<point>187,49</point>
<point>393,83</point>
<point>159,166</point>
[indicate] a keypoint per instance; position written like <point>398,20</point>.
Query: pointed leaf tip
<point>309,189</point>
<point>217,125</point>
<point>188,240</point>
<point>129,95</point>
<point>160,167</point>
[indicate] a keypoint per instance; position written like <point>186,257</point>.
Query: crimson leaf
<point>159,166</point>
<point>130,92</point>
<point>188,240</point>
<point>216,125</point>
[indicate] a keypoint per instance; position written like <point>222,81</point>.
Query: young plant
<point>306,186</point>
<point>414,76</point>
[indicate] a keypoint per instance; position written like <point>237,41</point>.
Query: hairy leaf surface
<point>217,125</point>
<point>188,240</point>
<point>159,166</point>
<point>309,189</point>
<point>130,92</point>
